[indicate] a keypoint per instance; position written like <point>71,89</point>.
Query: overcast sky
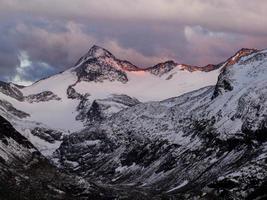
<point>42,37</point>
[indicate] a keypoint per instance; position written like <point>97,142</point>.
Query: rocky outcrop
<point>72,94</point>
<point>42,97</point>
<point>11,90</point>
<point>94,112</point>
<point>162,68</point>
<point>48,135</point>
<point>9,108</point>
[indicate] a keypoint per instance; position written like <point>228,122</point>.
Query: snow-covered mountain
<point>98,75</point>
<point>65,102</point>
<point>207,142</point>
<point>171,131</point>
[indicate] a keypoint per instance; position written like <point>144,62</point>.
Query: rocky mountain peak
<point>99,65</point>
<point>239,54</point>
<point>162,68</point>
<point>231,72</point>
<point>97,51</point>
<point>231,61</point>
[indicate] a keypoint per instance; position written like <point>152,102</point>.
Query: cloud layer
<point>52,35</point>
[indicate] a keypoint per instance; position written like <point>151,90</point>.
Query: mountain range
<point>107,129</point>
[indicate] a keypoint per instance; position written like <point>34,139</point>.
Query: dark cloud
<point>145,32</point>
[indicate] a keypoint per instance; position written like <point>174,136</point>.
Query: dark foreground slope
<point>26,174</point>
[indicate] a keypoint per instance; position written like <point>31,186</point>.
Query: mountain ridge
<point>100,75</point>
<point>97,52</point>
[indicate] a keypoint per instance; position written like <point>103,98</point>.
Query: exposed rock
<point>162,68</point>
<point>99,65</point>
<point>72,94</point>
<point>48,135</point>
<point>11,109</point>
<point>42,97</point>
<point>11,90</point>
<point>99,109</point>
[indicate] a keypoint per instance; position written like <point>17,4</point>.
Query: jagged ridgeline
<point>107,129</point>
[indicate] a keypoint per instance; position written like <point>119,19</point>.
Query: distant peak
<point>162,68</point>
<point>238,55</point>
<point>97,51</point>
<point>248,50</point>
<point>164,64</point>
<point>244,52</point>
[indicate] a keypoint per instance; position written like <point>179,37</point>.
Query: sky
<point>39,38</point>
